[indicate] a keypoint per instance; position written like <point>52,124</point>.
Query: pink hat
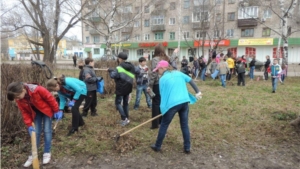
<point>161,64</point>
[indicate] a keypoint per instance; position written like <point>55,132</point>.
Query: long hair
<point>159,50</point>
<point>14,89</point>
<point>52,83</point>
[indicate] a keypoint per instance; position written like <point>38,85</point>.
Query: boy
<point>90,79</point>
<point>142,83</point>
<point>240,68</point>
<point>223,70</point>
<point>123,76</point>
<point>275,70</point>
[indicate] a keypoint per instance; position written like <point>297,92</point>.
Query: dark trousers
<point>266,74</point>
<point>74,62</point>
<point>90,102</point>
<point>123,110</point>
<point>228,77</point>
<point>156,106</point>
<point>241,79</point>
<point>76,117</point>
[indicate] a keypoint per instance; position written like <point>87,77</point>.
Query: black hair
<point>14,89</point>
<point>142,59</point>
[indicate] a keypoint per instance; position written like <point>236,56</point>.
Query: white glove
<point>199,95</point>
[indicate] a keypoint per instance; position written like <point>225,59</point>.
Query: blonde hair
<point>52,83</point>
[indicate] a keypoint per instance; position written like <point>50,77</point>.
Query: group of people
<point>163,84</point>
<point>225,66</point>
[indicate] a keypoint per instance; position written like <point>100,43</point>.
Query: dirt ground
<point>237,157</point>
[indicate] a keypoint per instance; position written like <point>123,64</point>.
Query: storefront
<point>209,44</point>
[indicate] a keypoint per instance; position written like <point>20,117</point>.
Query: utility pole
<point>179,36</point>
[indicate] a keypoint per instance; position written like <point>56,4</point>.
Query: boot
<point>296,122</point>
<point>84,114</point>
<point>94,113</point>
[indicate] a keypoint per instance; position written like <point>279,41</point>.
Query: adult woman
<point>73,89</point>
<point>252,67</point>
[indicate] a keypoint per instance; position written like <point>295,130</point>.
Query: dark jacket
<point>252,63</point>
<point>184,62</point>
<point>240,67</point>
<point>196,64</point>
<point>90,82</point>
<point>141,75</point>
<point>267,64</point>
<point>123,76</point>
<point>185,70</point>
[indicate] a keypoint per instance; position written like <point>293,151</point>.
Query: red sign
<point>152,44</point>
<point>198,43</point>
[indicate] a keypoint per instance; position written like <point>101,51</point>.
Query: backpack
<point>100,86</point>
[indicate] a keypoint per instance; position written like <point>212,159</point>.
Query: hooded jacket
<point>91,82</point>
<point>123,76</point>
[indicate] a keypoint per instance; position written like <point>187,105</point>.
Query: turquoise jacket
<point>72,85</point>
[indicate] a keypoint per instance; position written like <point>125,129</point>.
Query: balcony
<point>251,22</point>
<point>157,28</point>
<point>93,32</point>
<point>201,25</point>
<point>95,19</point>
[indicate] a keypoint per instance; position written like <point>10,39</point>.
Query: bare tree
<point>46,17</point>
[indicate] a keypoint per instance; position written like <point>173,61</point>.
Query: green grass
<point>223,118</point>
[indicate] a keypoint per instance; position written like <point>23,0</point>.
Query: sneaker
<point>154,148</point>
<point>125,122</point>
<point>46,158</point>
<point>28,162</point>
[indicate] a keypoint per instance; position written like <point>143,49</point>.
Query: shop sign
<point>152,44</point>
<point>123,45</point>
<point>261,41</point>
<point>208,43</point>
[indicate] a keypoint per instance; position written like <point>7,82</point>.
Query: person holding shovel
<point>37,105</point>
<point>174,98</point>
<point>73,89</point>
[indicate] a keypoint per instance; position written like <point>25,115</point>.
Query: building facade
<point>195,26</point>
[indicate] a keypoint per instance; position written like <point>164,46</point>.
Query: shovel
<point>35,162</point>
<point>120,135</point>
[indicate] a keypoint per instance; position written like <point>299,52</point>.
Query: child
<point>142,83</point>
<point>275,70</point>
<point>73,89</point>
<point>123,76</point>
<point>174,98</point>
<point>90,79</point>
<point>240,68</point>
<point>223,70</point>
<point>283,73</point>
<point>37,105</point>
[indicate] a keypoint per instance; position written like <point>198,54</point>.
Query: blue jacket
<point>275,70</point>
<point>75,88</point>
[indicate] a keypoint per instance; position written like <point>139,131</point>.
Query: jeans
<point>156,106</point>
<point>123,110</point>
<point>76,117</point>
<point>43,122</point>
<point>241,79</point>
<point>139,90</point>
<point>274,83</point>
<point>251,74</point>
<point>203,74</point>
<point>282,77</point>
<point>196,71</point>
<point>90,102</point>
<point>223,79</point>
<point>183,112</point>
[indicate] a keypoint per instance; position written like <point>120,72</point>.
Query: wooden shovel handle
<point>140,125</point>
<point>35,163</point>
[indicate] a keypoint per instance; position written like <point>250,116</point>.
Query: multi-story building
<point>245,27</point>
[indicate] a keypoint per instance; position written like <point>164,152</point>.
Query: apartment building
<point>245,27</point>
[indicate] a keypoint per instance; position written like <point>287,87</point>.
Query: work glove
<point>71,103</point>
<point>99,79</point>
<point>58,115</point>
<point>199,95</point>
<point>30,130</point>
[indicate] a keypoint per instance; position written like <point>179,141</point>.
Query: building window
<point>96,51</point>
<point>125,37</point>
<point>217,33</point>
<point>128,9</point>
<point>159,36</point>
<point>172,35</point>
<point>218,2</point>
<point>218,17</point>
<point>275,52</point>
<point>186,4</point>
<point>250,51</point>
<point>230,32</point>
<point>96,39</point>
<point>170,51</point>
<point>137,24</point>
<point>147,37</point>
<point>139,52</point>
<point>137,9</point>
<point>186,19</point>
<point>86,27</point>
<point>172,6</point>
<point>172,21</point>
<point>157,20</point>
<point>266,32</point>
<point>233,51</point>
<point>137,37</point>
<point>147,10</point>
<point>231,16</point>
<point>200,16</point>
<point>248,12</point>
<point>200,34</point>
<point>268,13</point>
<point>87,39</point>
<point>248,32</point>
<point>147,23</point>
<point>186,35</point>
<point>231,1</point>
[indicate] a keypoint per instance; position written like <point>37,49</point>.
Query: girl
<point>73,89</point>
<point>36,105</point>
<point>283,73</point>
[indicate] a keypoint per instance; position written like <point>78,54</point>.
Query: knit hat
<point>122,55</point>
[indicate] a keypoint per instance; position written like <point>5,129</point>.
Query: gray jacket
<point>90,82</point>
<point>223,68</point>
<point>153,76</point>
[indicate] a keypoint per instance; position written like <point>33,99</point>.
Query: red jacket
<point>41,99</point>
